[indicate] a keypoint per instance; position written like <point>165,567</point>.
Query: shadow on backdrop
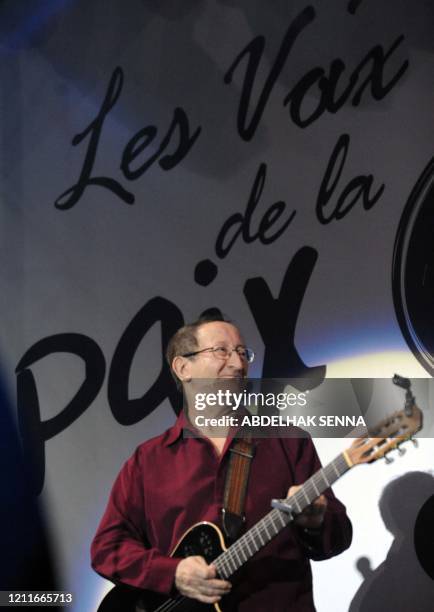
<point>26,562</point>
<point>405,579</point>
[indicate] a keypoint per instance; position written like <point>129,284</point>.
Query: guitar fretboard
<point>273,523</point>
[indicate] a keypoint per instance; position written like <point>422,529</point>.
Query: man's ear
<point>181,367</point>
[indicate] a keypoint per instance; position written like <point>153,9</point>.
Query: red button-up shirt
<point>172,482</point>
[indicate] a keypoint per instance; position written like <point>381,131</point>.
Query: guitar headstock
<point>386,436</point>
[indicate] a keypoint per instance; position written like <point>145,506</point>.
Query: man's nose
<point>236,361</point>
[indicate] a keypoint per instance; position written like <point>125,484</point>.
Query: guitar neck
<point>272,524</point>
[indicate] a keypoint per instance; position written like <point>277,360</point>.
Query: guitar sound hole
<point>206,545</point>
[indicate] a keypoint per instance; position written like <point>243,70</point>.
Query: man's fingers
<point>313,515</point>
<point>204,573</point>
<point>217,587</point>
<point>213,587</point>
<point>202,569</point>
<point>211,594</point>
<point>206,599</point>
<point>197,580</point>
<point>318,506</point>
<point>208,591</point>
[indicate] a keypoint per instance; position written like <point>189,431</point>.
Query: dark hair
<point>185,341</point>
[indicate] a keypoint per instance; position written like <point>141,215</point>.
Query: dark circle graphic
<point>413,270</point>
<point>424,537</point>
<point>205,272</point>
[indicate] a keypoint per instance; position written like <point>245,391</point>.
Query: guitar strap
<point>242,452</point>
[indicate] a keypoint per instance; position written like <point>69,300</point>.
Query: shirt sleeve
<point>120,550</point>
<point>336,532</point>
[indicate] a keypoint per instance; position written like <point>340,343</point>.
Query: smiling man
<point>175,481</point>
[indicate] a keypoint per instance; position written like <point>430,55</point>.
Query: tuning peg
<point>415,442</point>
<point>388,459</point>
<point>401,451</point>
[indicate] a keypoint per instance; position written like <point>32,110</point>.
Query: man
<point>174,481</point>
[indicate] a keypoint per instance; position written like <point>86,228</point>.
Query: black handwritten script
<point>277,332</point>
<point>369,73</point>
<point>334,202</point>
<point>133,163</point>
<point>333,86</point>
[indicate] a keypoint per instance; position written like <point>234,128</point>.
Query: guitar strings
<point>236,555</point>
<point>233,555</point>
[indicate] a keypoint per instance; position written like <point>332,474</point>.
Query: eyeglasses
<point>223,353</point>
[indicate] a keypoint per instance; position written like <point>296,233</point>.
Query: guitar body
<point>203,539</point>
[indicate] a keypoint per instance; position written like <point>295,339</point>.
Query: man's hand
<point>197,580</point>
<point>312,517</point>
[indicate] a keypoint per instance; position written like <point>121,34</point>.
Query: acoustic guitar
<point>207,540</point>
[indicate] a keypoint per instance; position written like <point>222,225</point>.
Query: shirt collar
<point>175,432</point>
